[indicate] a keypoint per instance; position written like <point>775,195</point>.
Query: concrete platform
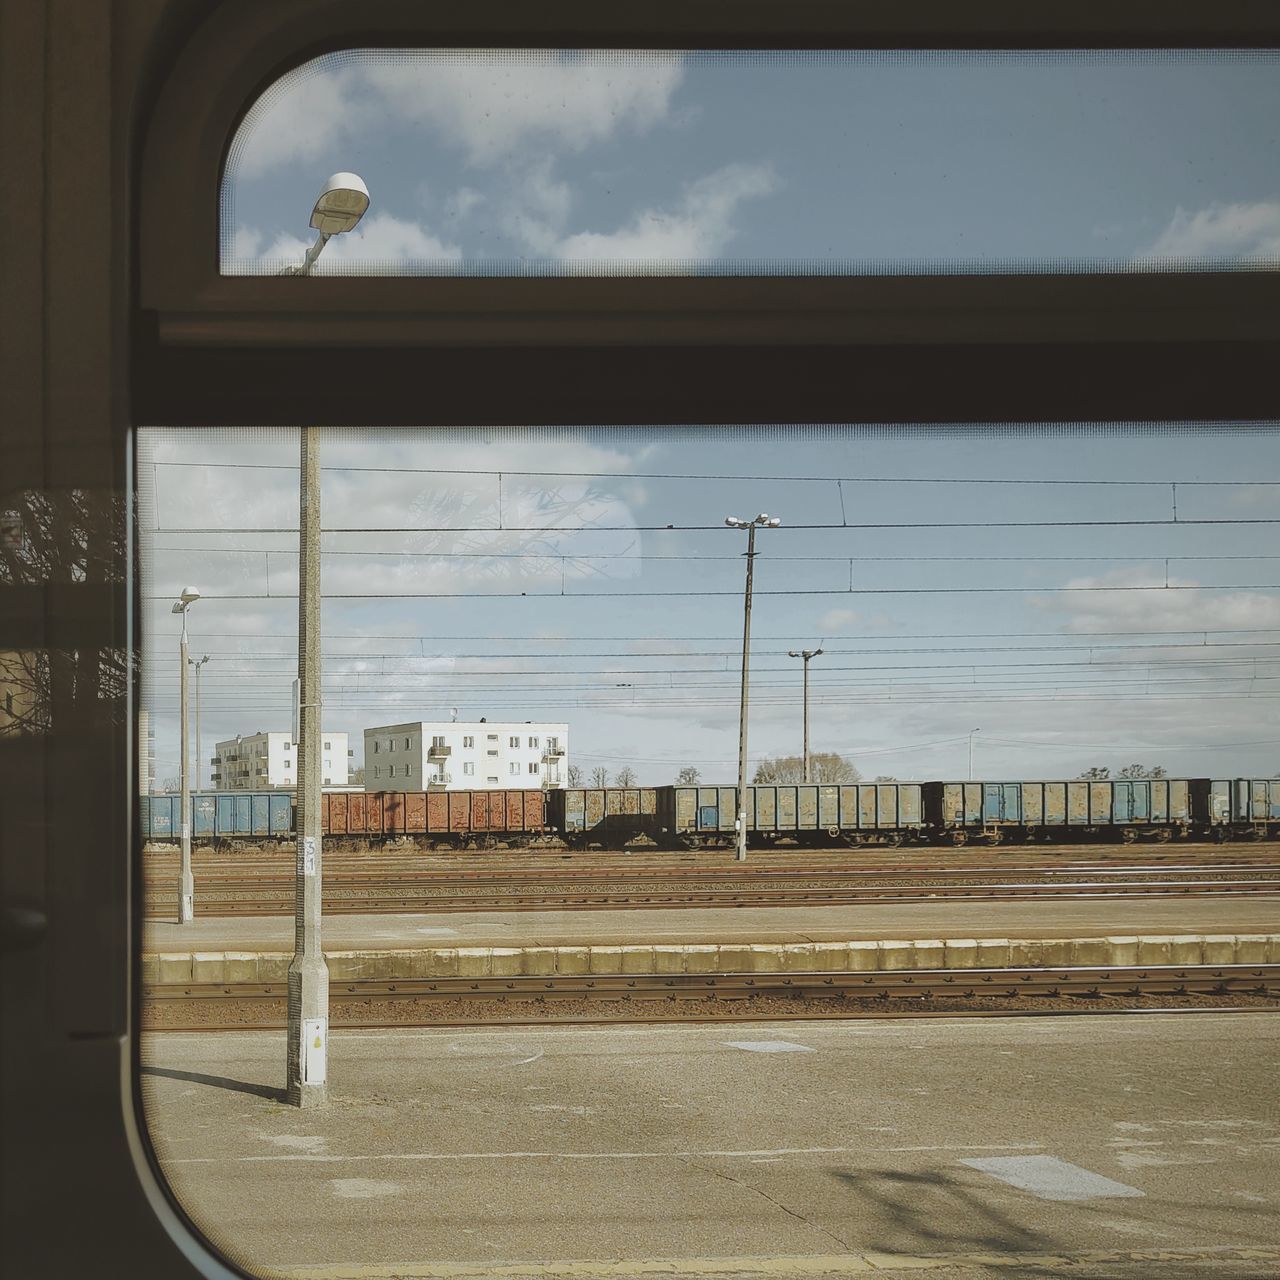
<point>823,939</point>
<point>1063,918</point>
<point>1119,1147</point>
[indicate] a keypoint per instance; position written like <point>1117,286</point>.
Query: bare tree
<point>1096,774</point>
<point>1141,771</point>
<point>599,776</point>
<point>625,777</point>
<point>172,785</point>
<point>66,536</point>
<point>574,775</point>
<point>688,776</point>
<point>885,777</point>
<point>824,766</point>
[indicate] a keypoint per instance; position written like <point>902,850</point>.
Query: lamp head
<point>772,522</point>
<point>189,595</point>
<point>815,653</point>
<point>791,653</point>
<point>734,523</point>
<point>340,205</point>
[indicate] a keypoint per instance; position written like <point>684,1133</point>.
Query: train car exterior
<point>608,816</point>
<point>856,813</point>
<point>1237,806</point>
<point>1160,807</point>
<point>219,816</point>
<point>442,818</point>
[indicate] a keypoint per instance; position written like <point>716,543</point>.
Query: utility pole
<point>186,882</point>
<point>971,733</point>
<point>806,654</point>
<point>340,205</point>
<point>740,824</point>
<point>199,744</point>
<point>308,1031</point>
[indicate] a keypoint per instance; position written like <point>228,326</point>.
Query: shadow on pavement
<point>268,1091</point>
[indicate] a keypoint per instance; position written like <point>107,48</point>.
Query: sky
<point>595,162</point>
<point>1026,589</point>
<point>1031,584</point>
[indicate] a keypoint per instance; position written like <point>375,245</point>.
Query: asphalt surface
<point>1117,1146</point>
<point>1061,918</point>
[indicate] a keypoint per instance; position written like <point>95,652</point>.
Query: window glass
<point>509,162</point>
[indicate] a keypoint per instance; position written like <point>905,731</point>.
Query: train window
<point>591,162</point>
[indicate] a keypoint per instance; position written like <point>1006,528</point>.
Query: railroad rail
<point>384,892</point>
<point>707,997</point>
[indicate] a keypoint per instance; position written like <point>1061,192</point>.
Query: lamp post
<point>198,663</point>
<point>971,733</point>
<point>186,883</point>
<point>761,521</point>
<point>340,205</point>
<point>806,654</point>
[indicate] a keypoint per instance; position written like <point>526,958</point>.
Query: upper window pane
<point>537,162</point>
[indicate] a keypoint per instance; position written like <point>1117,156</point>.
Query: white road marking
<point>768,1046</point>
<point>1051,1178</point>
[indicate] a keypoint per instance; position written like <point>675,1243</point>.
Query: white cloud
<point>697,228</point>
<point>1243,232</point>
<point>381,241</point>
<point>837,621</point>
<point>492,106</point>
<point>1148,611</point>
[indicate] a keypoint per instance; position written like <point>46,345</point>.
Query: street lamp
<point>806,654</point>
<point>186,883</point>
<point>971,733</point>
<point>762,521</point>
<point>198,663</point>
<point>340,205</point>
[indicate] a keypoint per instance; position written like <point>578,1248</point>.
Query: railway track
<point>385,890</point>
<point>733,997</point>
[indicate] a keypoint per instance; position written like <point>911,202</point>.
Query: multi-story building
<point>267,761</point>
<point>146,753</point>
<point>473,755</point>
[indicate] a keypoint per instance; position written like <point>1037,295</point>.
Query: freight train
<point>882,813</point>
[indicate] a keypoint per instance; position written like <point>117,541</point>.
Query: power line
<point>704,594</point>
<point>672,475</point>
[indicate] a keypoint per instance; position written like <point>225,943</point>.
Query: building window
<point>376,771</point>
<point>408,769</point>
<point>533,766</point>
<point>438,740</point>
<point>408,742</point>
<point>468,768</point>
<point>492,778</point>
<point>553,744</point>
<point>328,779</point>
<point>514,767</point>
<point>468,741</point>
<point>327,746</point>
<point>533,742</point>
<point>513,740</point>
<point>393,771</point>
<point>493,737</point>
<point>375,746</point>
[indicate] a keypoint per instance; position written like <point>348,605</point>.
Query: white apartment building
<point>269,761</point>
<point>471,755</point>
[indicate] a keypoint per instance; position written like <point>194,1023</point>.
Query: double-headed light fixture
<point>762,521</point>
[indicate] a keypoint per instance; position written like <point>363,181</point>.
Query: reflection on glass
<point>595,162</point>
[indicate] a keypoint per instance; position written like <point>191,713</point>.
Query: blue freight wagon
<point>219,815</point>
<point>810,813</point>
<point>610,816</point>
<point>1238,806</point>
<point>1125,808</point>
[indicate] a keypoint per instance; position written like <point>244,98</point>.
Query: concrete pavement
<point>1108,1146</point>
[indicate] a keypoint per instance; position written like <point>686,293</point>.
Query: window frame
<point>102,342</point>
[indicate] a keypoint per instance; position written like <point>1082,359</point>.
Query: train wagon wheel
<point>1164,835</point>
<point>995,836</point>
<point>959,837</point>
<point>893,839</point>
<point>1128,835</point>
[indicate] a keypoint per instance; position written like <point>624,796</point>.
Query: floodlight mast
<point>806,654</point>
<point>762,521</point>
<point>341,204</point>
<point>186,881</point>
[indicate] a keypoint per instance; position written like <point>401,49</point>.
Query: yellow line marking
<point>815,1265</point>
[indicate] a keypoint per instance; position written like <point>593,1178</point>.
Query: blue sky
<point>521,574</point>
<point>583,606</point>
<point>793,162</point>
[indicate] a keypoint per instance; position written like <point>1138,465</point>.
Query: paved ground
<point>642,926</point>
<point>1139,1146</point>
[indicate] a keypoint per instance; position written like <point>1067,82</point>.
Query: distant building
<point>470,755</point>
<point>268,761</point>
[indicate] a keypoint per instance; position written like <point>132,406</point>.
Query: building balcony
<point>553,753</point>
<point>439,753</point>
<point>439,782</point>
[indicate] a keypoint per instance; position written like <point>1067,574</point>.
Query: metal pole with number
<point>186,881</point>
<point>308,1031</point>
